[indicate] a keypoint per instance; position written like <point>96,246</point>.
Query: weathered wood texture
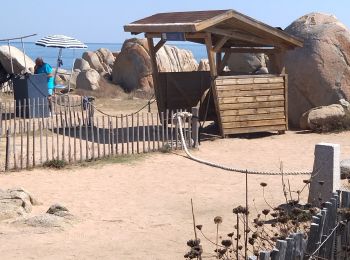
<point>250,104</point>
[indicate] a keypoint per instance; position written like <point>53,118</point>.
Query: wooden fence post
<point>195,126</point>
<point>7,155</point>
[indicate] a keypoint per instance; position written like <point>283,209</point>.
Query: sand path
<point>141,210</point>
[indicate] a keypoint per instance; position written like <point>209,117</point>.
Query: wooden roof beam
<point>250,50</point>
<point>187,35</point>
<point>240,36</point>
<point>213,21</point>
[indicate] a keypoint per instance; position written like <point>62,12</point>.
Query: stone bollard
<point>326,173</point>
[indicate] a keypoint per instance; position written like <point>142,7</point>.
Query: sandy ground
<point>141,209</point>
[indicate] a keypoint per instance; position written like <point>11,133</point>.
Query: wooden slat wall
<point>249,104</point>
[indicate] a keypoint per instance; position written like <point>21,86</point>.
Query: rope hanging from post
<point>181,115</point>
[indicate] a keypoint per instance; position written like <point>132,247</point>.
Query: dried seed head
<point>218,220</point>
<point>306,181</point>
<point>199,227</point>
<point>263,184</point>
<point>226,243</point>
<point>230,234</point>
<point>251,241</point>
<point>266,212</point>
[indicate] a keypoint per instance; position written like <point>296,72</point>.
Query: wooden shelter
<point>240,103</point>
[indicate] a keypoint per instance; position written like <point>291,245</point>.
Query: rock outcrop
<point>319,73</point>
<point>81,64</point>
<point>204,65</point>
<point>15,203</point>
<point>94,61</point>
<point>133,68</point>
<point>17,60</point>
<point>106,58</point>
<point>88,80</point>
<point>324,118</point>
<point>57,216</point>
<point>246,63</point>
<point>173,59</point>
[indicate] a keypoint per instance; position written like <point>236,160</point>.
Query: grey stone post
<point>326,173</point>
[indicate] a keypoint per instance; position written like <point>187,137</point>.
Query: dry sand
<point>141,210</point>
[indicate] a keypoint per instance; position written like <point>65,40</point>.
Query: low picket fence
<point>329,236</point>
<point>75,134</point>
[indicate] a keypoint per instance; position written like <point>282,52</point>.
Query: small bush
<point>55,164</point>
<point>166,148</point>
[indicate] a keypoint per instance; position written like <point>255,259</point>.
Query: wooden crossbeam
<point>159,45</point>
<point>221,43</point>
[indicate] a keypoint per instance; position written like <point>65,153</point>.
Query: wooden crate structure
<point>249,104</point>
<point>256,105</point>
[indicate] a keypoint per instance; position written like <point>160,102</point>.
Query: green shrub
<point>55,164</point>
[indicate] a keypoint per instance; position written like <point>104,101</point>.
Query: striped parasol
<point>61,41</point>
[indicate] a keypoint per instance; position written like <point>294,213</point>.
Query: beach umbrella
<point>61,42</point>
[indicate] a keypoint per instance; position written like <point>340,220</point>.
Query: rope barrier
<point>148,104</point>
<point>179,116</point>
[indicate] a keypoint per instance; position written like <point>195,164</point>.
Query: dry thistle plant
<point>260,234</point>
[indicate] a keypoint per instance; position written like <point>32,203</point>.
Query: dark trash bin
<point>31,94</point>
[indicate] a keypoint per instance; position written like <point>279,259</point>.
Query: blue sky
<point>103,20</point>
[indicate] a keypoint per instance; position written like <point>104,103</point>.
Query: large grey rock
<point>246,63</point>
<point>133,68</point>
<point>88,80</point>
<point>94,61</point>
<point>17,60</point>
<point>15,203</point>
<point>81,64</point>
<point>319,73</point>
<point>325,118</point>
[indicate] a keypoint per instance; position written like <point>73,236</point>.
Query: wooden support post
<point>153,52</point>
<point>213,74</point>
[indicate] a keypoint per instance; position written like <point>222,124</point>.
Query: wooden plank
<point>264,255</point>
<point>234,100</point>
<point>249,87</point>
<point>227,119</point>
<point>290,248</point>
<point>286,99</point>
<point>234,35</point>
<point>249,50</point>
<point>313,238</point>
<point>256,123</point>
<point>243,130</point>
<point>234,80</point>
<point>269,104</point>
<point>249,93</point>
<point>252,111</point>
